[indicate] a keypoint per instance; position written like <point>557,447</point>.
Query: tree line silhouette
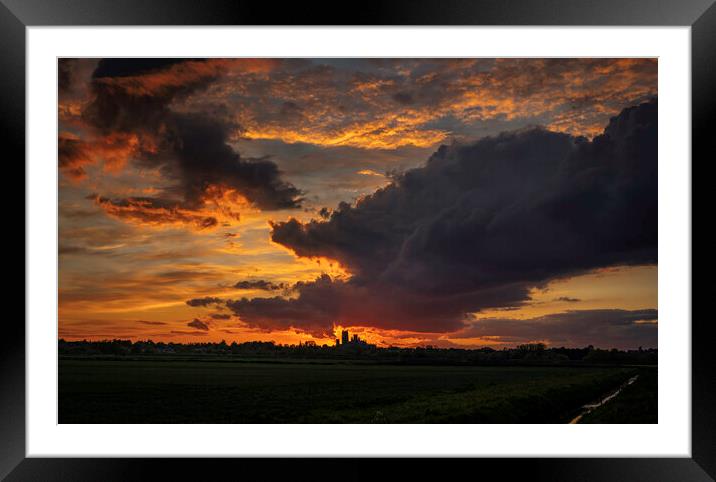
<point>525,354</point>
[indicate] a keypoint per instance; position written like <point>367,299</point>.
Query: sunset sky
<point>450,202</point>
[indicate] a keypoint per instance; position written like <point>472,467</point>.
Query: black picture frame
<point>700,15</point>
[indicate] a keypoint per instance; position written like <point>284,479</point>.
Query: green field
<point>124,391</point>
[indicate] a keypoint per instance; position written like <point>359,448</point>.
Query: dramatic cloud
<point>113,149</point>
<point>568,299</point>
<point>198,324</point>
<point>325,302</point>
<point>156,323</point>
<point>220,316</point>
<point>316,310</point>
<point>260,285</point>
<point>478,227</point>
<point>392,103</point>
<point>72,155</point>
<point>153,211</point>
<point>131,119</point>
<point>181,116</point>
<point>196,157</point>
<point>206,301</point>
<point>130,67</point>
<point>606,328</point>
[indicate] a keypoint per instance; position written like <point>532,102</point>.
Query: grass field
<point>121,391</point>
<point>637,403</point>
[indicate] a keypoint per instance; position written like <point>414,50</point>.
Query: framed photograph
<point>454,230</point>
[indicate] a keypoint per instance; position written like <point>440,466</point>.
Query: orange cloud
<point>218,205</point>
<point>112,150</point>
<point>404,105</point>
<point>369,172</point>
<point>153,212</point>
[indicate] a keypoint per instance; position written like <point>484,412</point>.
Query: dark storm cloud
<point>127,67</point>
<point>198,324</point>
<point>135,96</point>
<point>314,311</point>
<point>608,328</point>
<point>259,285</point>
<point>203,158</point>
<point>478,227</point>
<point>206,301</point>
<point>65,74</point>
<point>141,102</point>
<point>220,316</point>
<point>528,205</point>
<point>323,302</point>
<point>567,299</point>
